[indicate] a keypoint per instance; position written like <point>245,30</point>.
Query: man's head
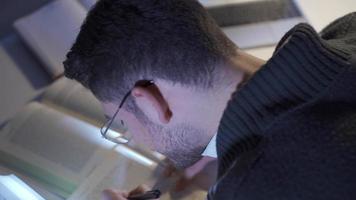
<point>173,43</point>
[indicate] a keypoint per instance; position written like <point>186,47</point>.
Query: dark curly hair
<point>123,41</point>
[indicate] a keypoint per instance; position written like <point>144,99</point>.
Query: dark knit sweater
<point>290,132</point>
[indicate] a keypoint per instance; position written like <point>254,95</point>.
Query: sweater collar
<point>303,65</point>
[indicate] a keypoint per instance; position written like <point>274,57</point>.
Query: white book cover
<point>13,188</point>
<point>56,149</point>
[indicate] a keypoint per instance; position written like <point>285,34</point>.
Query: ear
<point>152,103</point>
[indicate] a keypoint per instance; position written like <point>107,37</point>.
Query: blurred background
<point>35,34</point>
<point>49,125</point>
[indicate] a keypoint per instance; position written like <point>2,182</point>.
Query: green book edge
<point>54,183</point>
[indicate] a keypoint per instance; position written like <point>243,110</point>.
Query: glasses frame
<point>106,126</point>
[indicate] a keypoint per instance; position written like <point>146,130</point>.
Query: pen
<point>153,194</point>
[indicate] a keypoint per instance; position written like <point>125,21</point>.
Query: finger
<point>110,194</point>
<point>139,190</point>
<point>182,184</point>
<point>169,169</point>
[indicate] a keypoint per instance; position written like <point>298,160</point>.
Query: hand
<point>111,194</point>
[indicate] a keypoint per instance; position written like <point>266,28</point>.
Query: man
<point>286,131</point>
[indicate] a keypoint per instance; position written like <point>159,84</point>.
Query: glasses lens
<point>116,137</point>
<point>120,126</point>
<point>114,133</point>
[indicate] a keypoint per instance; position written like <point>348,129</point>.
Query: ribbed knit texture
<point>302,70</point>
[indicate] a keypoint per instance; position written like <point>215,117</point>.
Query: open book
<point>56,142</point>
<point>11,187</point>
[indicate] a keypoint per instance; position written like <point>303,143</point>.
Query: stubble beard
<point>182,144</point>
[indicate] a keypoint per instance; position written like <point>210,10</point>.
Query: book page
<point>55,148</point>
<point>74,99</point>
<point>33,184</point>
<point>126,169</point>
<point>12,188</point>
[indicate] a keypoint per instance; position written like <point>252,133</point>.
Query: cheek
<point>137,130</point>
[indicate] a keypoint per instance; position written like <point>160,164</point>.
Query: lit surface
<point>209,3</point>
<point>158,155</point>
<point>116,137</point>
<point>320,13</point>
<point>89,3</point>
<point>129,153</point>
<point>18,188</point>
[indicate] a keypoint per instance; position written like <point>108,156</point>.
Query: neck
<point>242,67</point>
<point>247,63</point>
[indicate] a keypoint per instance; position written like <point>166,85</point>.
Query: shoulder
<point>340,27</point>
<point>341,33</point>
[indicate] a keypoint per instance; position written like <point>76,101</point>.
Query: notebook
<point>56,142</point>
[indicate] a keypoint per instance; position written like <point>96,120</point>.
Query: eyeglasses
<point>114,136</point>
